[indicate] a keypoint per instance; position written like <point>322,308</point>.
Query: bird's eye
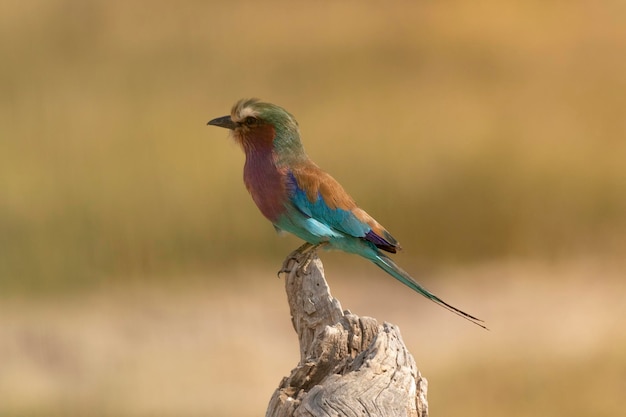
<point>250,121</point>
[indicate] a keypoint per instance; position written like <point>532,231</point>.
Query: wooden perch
<point>349,365</point>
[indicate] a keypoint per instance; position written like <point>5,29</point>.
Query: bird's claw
<point>285,268</point>
<point>303,256</point>
<point>293,256</point>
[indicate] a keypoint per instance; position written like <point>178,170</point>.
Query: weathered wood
<point>349,365</point>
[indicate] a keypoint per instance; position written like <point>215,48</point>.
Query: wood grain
<point>349,365</point>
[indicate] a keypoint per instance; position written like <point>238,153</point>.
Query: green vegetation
<point>471,134</point>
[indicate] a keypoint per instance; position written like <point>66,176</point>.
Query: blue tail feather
<point>389,266</point>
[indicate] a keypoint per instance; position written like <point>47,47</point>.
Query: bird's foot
<point>303,256</point>
<point>293,256</point>
<point>308,255</point>
<point>307,258</point>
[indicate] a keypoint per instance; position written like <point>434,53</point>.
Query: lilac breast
<point>265,182</point>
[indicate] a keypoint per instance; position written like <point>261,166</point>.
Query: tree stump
<point>349,365</point>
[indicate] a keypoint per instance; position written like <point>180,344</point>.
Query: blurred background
<point>137,278</point>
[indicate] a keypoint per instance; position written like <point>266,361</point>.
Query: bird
<point>298,197</point>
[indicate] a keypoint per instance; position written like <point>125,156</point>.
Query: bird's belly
<point>294,222</point>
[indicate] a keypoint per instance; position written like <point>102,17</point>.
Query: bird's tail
<point>398,273</point>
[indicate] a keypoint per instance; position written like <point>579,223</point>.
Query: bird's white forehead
<point>240,113</point>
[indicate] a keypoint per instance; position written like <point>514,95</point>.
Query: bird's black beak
<point>224,121</point>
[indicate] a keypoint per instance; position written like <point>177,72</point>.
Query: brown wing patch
<point>316,182</point>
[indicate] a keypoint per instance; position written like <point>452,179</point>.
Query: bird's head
<point>256,124</point>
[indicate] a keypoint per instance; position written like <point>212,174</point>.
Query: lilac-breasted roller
<point>298,197</point>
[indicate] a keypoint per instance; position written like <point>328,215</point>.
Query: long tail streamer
<point>398,273</point>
